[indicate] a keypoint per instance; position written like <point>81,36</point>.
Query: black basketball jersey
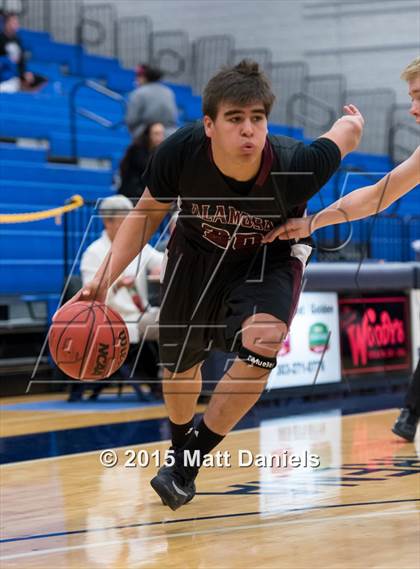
<point>216,213</point>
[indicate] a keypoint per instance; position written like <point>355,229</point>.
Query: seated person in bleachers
<point>13,74</point>
<point>135,160</point>
<point>129,295</point>
<point>151,102</point>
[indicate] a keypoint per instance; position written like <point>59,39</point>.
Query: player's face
<point>239,132</point>
<point>12,25</point>
<point>414,93</point>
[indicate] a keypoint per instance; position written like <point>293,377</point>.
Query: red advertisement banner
<point>374,334</point>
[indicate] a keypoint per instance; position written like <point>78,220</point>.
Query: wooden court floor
<point>358,508</point>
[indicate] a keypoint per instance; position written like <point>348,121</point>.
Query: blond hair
<point>412,70</point>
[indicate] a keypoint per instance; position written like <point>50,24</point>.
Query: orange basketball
<point>88,340</point>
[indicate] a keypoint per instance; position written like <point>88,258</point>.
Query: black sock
<point>180,433</point>
<point>205,440</point>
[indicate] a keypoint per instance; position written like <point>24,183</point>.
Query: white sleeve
<point>153,258</point>
<point>89,264</point>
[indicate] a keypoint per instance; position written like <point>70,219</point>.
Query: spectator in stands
<point>416,246</point>
<point>135,160</point>
<point>13,74</point>
<point>151,102</point>
<point>129,295</point>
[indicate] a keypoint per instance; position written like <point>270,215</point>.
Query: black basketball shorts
<point>205,300</point>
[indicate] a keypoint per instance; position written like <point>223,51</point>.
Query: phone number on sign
<point>299,367</point>
<point>134,458</point>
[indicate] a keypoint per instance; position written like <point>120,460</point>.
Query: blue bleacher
<point>94,66</point>
<point>49,195</point>
<point>50,70</point>
<point>53,173</point>
<point>101,147</point>
<point>26,275</point>
<point>39,243</point>
<point>38,106</point>
<point>56,52</point>
<point>13,152</point>
<point>32,38</point>
<point>121,80</point>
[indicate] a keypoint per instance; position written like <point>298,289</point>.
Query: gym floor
<point>63,508</point>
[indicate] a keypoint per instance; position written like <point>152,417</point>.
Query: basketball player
<point>221,288</point>
<point>367,201</point>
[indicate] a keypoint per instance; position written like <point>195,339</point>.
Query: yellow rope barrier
<point>76,202</point>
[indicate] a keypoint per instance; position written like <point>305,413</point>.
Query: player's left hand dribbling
<point>294,228</point>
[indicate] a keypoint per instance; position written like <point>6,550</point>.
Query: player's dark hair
<point>243,84</point>
<point>139,144</point>
<point>151,74</point>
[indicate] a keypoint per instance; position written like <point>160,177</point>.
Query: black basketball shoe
<point>175,485</point>
<point>406,425</point>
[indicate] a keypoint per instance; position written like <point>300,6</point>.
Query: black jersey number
<point>221,238</point>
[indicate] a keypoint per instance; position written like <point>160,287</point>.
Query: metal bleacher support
<point>34,15</point>
<point>171,52</point>
<point>59,18</point>
<point>74,110</point>
<point>287,80</point>
<point>261,55</point>
<point>327,88</point>
<point>209,54</point>
<point>97,28</point>
<point>376,106</point>
<point>133,41</point>
<point>309,112</point>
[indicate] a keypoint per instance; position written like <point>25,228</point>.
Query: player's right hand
<point>91,291</point>
<point>352,112</point>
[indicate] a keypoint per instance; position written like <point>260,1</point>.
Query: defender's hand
<point>294,228</point>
